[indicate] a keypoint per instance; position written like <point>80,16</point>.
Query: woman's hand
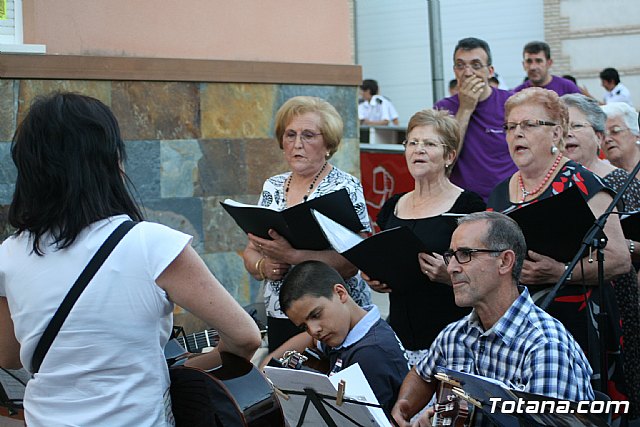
<point>375,284</point>
<point>540,269</point>
<point>433,266</point>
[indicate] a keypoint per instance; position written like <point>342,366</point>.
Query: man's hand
<point>470,92</point>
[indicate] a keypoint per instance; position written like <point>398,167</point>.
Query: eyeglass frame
<point>526,125</point>
<point>475,66</point>
<point>580,126</point>
<point>616,130</point>
<point>306,136</point>
<point>413,144</point>
<point>448,254</point>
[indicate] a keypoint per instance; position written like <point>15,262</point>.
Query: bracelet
<point>566,266</point>
<point>632,246</point>
<point>258,266</point>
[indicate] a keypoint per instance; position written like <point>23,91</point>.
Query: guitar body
<point>235,394</point>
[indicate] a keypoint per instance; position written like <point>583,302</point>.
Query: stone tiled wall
<point>190,146</point>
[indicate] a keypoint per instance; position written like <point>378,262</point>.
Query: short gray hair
<point>589,107</point>
<point>629,115</point>
<point>503,233</point>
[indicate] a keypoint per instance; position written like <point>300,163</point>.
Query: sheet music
<point>358,388</point>
<point>14,388</point>
<point>340,237</point>
<point>297,380</point>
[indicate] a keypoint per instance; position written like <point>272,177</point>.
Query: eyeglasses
<point>306,136</point>
<point>463,255</point>
<point>577,127</point>
<point>475,65</point>
<point>427,144</point>
<point>526,125</point>
<point>617,130</point>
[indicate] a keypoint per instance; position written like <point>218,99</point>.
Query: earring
<point>327,155</point>
<point>554,149</point>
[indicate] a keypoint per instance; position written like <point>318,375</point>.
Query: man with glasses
<point>506,336</point>
<point>536,61</point>
<point>483,159</point>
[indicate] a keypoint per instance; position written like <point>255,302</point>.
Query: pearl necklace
<point>313,183</point>
<point>526,193</point>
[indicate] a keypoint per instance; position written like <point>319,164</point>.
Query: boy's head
<point>315,298</point>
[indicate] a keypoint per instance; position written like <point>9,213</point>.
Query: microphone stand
<point>596,239</point>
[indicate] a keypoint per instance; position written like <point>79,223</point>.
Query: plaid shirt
<point>526,349</point>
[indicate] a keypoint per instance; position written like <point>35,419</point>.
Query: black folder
<point>390,256</point>
<point>631,226</point>
<point>487,394</point>
<point>296,224</point>
<point>555,226</point>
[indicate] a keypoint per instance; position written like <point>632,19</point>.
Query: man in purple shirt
<point>536,61</point>
<point>483,158</point>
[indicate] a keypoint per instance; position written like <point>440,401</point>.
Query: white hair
<point>629,115</point>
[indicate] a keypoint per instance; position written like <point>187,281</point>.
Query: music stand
<point>310,399</point>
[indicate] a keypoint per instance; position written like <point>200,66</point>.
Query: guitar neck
<point>195,342</point>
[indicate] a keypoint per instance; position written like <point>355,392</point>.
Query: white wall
<point>392,42</point>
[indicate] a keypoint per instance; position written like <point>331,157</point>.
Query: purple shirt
<point>557,84</point>
<point>484,160</point>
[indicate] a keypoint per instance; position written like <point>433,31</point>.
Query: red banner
<point>383,174</point>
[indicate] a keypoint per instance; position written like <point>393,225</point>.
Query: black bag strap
<point>74,293</point>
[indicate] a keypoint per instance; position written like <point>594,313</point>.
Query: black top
<point>419,316</point>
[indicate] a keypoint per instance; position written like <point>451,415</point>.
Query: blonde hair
<point>331,124</point>
<point>444,125</point>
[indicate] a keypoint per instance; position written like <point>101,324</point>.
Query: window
<point>11,31</point>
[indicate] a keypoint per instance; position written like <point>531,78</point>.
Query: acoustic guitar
<point>450,409</point>
<point>232,394</point>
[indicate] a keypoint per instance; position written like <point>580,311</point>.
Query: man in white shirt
<point>616,91</point>
<point>375,109</point>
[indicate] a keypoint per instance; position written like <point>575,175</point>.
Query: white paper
<point>340,237</point>
<point>291,379</point>
<point>357,387</point>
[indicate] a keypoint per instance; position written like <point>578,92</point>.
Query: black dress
<point>419,316</point>
<point>574,305</point>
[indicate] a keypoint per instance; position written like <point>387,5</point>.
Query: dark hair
<point>502,233</point>
<point>610,75</point>
<point>494,79</point>
<point>309,278</point>
<point>537,46</point>
<point>471,43</point>
<point>370,85</point>
<point>453,83</point>
<point>570,78</point>
<point>68,153</point>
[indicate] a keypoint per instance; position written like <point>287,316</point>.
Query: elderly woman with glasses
<point>536,127</point>
<point>622,143</point>
<point>433,139</point>
<point>582,145</point>
<point>309,131</point>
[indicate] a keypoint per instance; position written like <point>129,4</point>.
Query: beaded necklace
<point>313,183</point>
<point>526,193</point>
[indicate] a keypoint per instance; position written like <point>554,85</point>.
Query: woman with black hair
<point>106,365</point>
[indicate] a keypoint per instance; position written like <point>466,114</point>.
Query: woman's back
<point>108,356</point>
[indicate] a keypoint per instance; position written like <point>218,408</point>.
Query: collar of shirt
<point>508,326</point>
<point>376,99</point>
<point>362,327</point>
